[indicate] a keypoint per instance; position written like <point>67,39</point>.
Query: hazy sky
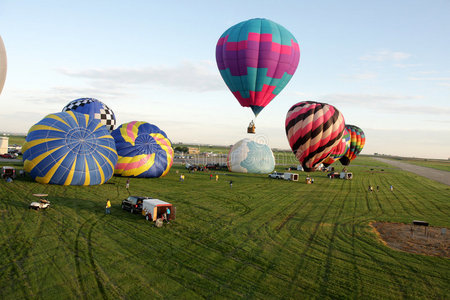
<point>384,64</point>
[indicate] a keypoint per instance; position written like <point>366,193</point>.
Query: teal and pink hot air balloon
<point>256,59</point>
<point>144,150</point>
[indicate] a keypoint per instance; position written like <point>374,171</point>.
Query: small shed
<point>154,209</point>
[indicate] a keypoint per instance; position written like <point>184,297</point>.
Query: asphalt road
<point>9,160</point>
<point>433,174</point>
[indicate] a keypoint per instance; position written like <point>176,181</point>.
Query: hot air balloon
<point>248,156</point>
<point>3,64</point>
<point>94,108</point>
<point>256,59</point>
<point>313,130</point>
<point>339,151</point>
<point>69,148</point>
<point>357,141</point>
<point>144,150</point>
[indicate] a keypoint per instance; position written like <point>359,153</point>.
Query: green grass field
<point>263,238</point>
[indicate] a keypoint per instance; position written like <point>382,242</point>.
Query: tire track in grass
<point>384,265</point>
<point>431,191</point>
<point>335,221</point>
<point>309,242</point>
<point>366,197</point>
<point>94,268</point>
<point>406,195</point>
<point>156,246</point>
<point>356,272</point>
<point>98,272</point>
<point>77,259</point>
<point>385,183</point>
<point>19,253</point>
<point>282,247</point>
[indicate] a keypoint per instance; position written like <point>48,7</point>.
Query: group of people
<point>378,188</point>
<point>211,177</point>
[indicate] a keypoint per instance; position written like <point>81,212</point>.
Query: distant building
<point>192,150</point>
<point>4,144</point>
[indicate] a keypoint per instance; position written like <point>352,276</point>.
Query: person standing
<point>217,177</point>
<point>108,207</point>
<point>231,184</point>
<point>210,176</point>
<point>392,188</point>
<point>168,215</point>
<point>128,184</point>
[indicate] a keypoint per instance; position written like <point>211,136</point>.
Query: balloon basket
<point>251,128</point>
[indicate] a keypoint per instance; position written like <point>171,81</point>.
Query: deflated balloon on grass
<point>69,148</point>
<point>144,150</point>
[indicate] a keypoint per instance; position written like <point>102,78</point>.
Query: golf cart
<point>42,203</point>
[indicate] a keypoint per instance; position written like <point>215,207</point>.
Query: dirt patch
<point>414,239</point>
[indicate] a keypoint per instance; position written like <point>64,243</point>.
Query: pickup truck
<point>276,175</point>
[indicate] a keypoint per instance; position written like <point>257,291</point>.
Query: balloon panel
<point>69,148</point>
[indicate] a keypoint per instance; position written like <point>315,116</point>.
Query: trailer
<point>154,209</point>
<point>290,176</point>
<point>346,175</point>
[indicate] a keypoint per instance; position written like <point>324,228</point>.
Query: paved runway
<point>433,174</point>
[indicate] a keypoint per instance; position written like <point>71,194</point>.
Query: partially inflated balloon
<point>95,109</point>
<point>256,59</point>
<point>357,141</point>
<point>247,156</point>
<point>69,148</point>
<point>339,151</point>
<point>313,129</point>
<point>144,150</point>
<point>3,64</point>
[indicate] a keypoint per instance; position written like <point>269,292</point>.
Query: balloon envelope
<point>357,141</point>
<point>3,64</point>
<point>256,59</point>
<point>95,109</point>
<point>339,151</point>
<point>144,150</point>
<point>69,148</point>
<point>247,156</point>
<point>313,129</point>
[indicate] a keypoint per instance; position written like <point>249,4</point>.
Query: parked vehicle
<point>7,155</point>
<point>133,204</point>
<point>154,209</point>
<point>43,203</point>
<point>346,175</point>
<point>276,175</point>
<point>285,176</point>
<point>290,176</point>
<point>8,172</point>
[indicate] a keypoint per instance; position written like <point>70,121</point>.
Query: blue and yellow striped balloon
<point>144,150</point>
<point>69,148</point>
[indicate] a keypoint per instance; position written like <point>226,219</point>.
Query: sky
<point>383,64</point>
